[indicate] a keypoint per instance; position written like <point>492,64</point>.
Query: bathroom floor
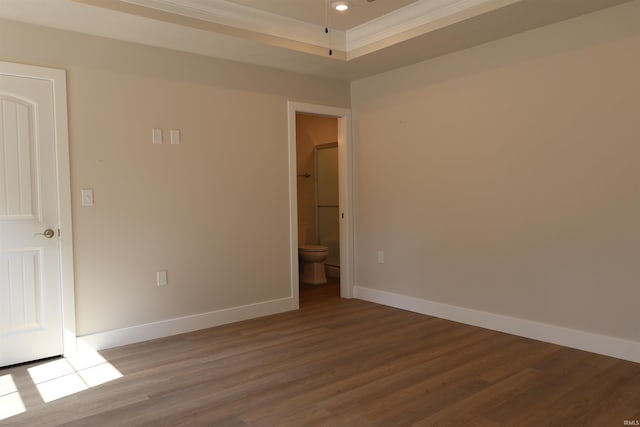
<point>312,293</point>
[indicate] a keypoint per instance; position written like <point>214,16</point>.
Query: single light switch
<point>174,135</point>
<point>380,257</point>
<point>161,278</point>
<point>156,134</point>
<point>87,197</point>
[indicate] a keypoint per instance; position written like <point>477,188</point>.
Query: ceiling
<point>370,38</point>
<point>314,11</point>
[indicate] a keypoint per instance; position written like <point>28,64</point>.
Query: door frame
<point>345,168</point>
<point>58,81</point>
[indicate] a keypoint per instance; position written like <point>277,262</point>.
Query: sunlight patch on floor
<point>10,401</point>
<point>63,386</point>
<point>64,377</point>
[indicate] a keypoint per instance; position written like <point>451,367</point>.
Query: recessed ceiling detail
<point>313,11</point>
<point>253,21</point>
<point>372,37</point>
<point>397,25</point>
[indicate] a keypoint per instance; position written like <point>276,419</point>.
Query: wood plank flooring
<point>342,362</point>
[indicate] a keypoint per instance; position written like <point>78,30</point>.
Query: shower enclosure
<point>327,201</point>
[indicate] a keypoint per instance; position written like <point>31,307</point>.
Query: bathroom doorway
<point>320,196</point>
<point>318,206</point>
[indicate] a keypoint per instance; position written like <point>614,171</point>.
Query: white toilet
<point>312,258</point>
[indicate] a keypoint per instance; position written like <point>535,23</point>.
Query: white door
<point>30,283</point>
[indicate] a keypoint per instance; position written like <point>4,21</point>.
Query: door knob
<point>48,233</point>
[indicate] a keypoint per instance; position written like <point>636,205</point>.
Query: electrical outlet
<point>380,257</point>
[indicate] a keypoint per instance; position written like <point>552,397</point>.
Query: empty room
<point>319,213</point>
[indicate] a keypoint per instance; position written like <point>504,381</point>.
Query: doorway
<point>318,206</point>
<point>344,206</point>
<point>36,268</point>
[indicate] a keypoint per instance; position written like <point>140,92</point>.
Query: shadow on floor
<point>314,293</point>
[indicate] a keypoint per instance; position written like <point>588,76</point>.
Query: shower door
<point>328,201</point>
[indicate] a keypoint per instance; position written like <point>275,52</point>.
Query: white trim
<point>64,214</point>
<point>391,25</point>
<point>293,205</point>
<point>180,325</point>
<point>416,15</point>
<point>59,83</point>
<point>401,24</point>
<point>345,167</point>
<point>249,19</point>
<point>595,343</point>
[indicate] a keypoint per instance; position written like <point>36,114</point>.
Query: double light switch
<point>174,136</point>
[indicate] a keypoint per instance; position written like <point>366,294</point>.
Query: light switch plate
<point>87,197</point>
<point>174,135</point>
<point>161,278</point>
<point>156,136</point>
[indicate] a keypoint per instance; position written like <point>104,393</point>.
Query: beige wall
<point>311,131</point>
<point>501,178</point>
<point>505,177</point>
<point>212,211</point>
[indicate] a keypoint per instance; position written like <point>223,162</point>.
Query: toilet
<point>312,258</point>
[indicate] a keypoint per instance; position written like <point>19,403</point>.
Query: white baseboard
<point>595,343</point>
<point>180,325</point>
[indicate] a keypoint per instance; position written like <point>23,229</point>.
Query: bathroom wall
<point>212,211</point>
<point>311,130</point>
<point>504,178</point>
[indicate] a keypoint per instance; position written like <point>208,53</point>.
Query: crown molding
<point>250,19</point>
<point>424,13</point>
<point>410,21</point>
<point>129,22</point>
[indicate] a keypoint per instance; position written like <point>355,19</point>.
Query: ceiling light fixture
<point>341,6</point>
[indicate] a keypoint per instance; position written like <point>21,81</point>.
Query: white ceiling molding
<point>402,24</point>
<point>480,22</point>
<point>103,22</point>
<point>248,18</point>
<point>375,34</point>
<point>389,26</point>
<point>419,14</point>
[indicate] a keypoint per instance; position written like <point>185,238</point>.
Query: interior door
<point>30,284</point>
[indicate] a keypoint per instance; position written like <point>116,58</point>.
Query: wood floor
<point>342,362</point>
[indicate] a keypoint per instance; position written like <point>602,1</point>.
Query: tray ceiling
<point>313,11</point>
<point>370,38</point>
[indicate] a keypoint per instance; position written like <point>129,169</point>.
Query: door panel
<point>22,293</point>
<point>30,293</point>
<point>17,195</point>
